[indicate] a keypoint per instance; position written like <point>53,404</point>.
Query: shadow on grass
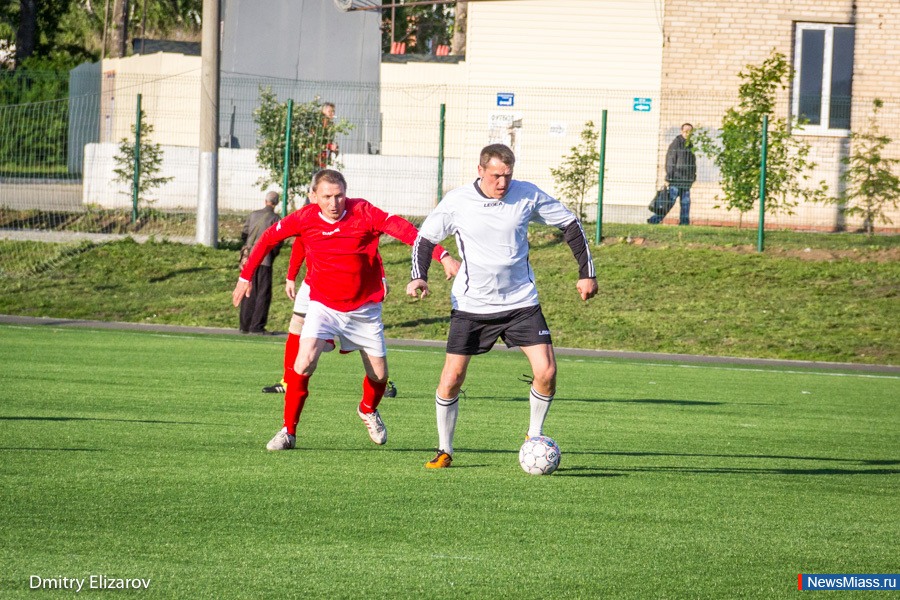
<point>623,401</point>
<point>610,471</point>
<point>858,461</point>
<point>754,471</point>
<point>55,449</point>
<point>585,472</point>
<point>854,461</point>
<point>172,274</point>
<point>417,322</point>
<point>113,420</point>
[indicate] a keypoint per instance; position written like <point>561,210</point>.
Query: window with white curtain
<point>823,77</point>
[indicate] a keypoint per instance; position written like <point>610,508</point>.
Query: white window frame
<point>821,129</point>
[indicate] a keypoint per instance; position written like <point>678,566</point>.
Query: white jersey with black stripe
<point>492,238</point>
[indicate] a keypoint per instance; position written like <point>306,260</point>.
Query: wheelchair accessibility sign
<point>505,99</point>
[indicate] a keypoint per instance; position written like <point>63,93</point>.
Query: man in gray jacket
<point>255,307</point>
<point>681,172</point>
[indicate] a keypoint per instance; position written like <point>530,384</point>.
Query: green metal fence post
<point>599,234</point>
<point>762,183</point>
<point>440,182</point>
<point>135,187</point>
<point>287,159</point>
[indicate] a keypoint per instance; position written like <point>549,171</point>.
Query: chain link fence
<point>60,135</point>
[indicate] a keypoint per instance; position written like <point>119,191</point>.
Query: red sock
<point>294,398</point>
<point>291,350</point>
<point>372,394</point>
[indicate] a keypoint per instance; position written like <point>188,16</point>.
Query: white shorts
<point>301,300</point>
<point>359,329</point>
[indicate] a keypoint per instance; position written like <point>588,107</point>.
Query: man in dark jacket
<point>681,171</point>
<point>255,307</point>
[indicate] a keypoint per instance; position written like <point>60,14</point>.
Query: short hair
<point>687,125</point>
<point>499,151</point>
<point>329,175</point>
<point>331,104</point>
<point>272,198</point>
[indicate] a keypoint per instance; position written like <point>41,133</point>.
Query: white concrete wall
<point>398,184</point>
<point>564,61</point>
<point>170,88</point>
<point>596,44</point>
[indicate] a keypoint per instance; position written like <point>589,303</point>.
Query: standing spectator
<point>681,171</point>
<point>255,307</point>
<point>331,148</point>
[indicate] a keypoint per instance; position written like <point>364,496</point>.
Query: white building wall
<point>563,61</point>
<point>596,44</point>
<point>169,85</point>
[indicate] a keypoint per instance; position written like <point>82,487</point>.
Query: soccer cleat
<point>282,441</point>
<point>391,390</point>
<point>278,388</point>
<point>375,425</point>
<point>441,461</point>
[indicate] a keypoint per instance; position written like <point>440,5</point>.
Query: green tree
<point>737,147</point>
<point>579,171</point>
<point>312,142</point>
<point>72,30</point>
<point>420,27</point>
<point>33,120</point>
<point>872,187</point>
<point>150,164</point>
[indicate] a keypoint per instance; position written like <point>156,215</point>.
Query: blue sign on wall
<point>505,99</point>
<point>642,104</point>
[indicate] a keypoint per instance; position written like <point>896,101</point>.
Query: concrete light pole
<point>207,192</point>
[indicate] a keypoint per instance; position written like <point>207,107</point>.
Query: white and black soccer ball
<point>539,456</point>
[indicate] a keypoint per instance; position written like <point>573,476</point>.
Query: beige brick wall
<point>708,42</point>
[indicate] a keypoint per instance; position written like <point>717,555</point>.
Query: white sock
<point>540,405</point>
<point>447,411</point>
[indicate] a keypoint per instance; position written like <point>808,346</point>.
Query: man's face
<point>686,131</point>
<point>495,178</point>
<point>328,111</point>
<point>331,198</point>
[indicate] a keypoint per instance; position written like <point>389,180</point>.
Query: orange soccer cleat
<point>441,461</point>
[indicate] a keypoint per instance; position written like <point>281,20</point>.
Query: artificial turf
<point>136,455</point>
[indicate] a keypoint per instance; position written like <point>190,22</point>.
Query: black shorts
<point>472,333</point>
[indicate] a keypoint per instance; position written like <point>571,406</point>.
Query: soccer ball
<point>539,456</point>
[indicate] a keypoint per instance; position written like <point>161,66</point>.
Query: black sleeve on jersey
<point>578,242</point>
<point>421,258</point>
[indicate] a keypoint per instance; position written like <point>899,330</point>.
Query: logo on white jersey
<point>331,232</point>
<point>489,204</point>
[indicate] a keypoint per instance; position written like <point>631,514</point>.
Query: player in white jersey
<point>494,294</point>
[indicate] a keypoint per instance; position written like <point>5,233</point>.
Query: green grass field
<point>676,297</point>
<point>138,455</point>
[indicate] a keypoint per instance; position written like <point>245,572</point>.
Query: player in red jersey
<point>340,236</point>
<point>300,296</point>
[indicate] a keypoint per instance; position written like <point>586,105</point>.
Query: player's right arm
<point>437,226</point>
<point>280,231</point>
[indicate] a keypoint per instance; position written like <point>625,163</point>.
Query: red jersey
<point>298,255</point>
<point>343,266</point>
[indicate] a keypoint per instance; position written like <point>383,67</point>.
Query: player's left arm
<point>401,229</point>
<point>551,211</point>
